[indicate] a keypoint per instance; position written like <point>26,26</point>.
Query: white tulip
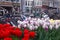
<point>51,26</point>
<point>36,27</point>
<point>19,26</point>
<point>18,21</point>
<point>25,25</point>
<point>57,26</point>
<point>30,27</point>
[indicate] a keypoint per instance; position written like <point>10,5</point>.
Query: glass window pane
<point>26,3</point>
<point>27,9</point>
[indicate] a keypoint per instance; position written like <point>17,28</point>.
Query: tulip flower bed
<point>48,34</point>
<point>8,32</point>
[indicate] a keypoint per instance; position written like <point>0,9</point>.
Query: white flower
<point>30,27</point>
<point>18,21</point>
<point>57,26</point>
<point>29,18</point>
<point>25,25</point>
<point>51,26</point>
<point>36,27</point>
<point>44,26</point>
<point>19,26</point>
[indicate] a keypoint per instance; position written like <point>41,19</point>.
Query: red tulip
<point>12,31</point>
<point>32,34</point>
<point>17,32</point>
<point>17,29</point>
<point>7,25</point>
<point>7,38</point>
<point>1,26</point>
<point>26,36</point>
<point>4,33</point>
<point>7,33</point>
<point>1,35</point>
<point>26,31</point>
<point>25,39</point>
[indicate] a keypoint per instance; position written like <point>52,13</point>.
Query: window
<point>50,3</point>
<point>12,0</point>
<point>7,0</point>
<point>26,3</point>
<point>37,10</point>
<point>32,3</point>
<point>40,3</point>
<point>27,9</point>
<point>56,4</point>
<point>2,0</point>
<point>37,3</point>
<point>17,0</point>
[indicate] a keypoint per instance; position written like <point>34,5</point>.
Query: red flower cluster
<point>17,32</point>
<point>32,34</point>
<point>28,34</point>
<point>7,38</point>
<point>6,30</point>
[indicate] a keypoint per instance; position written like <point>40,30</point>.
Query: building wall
<point>44,2</point>
<point>37,2</point>
<point>51,3</point>
<point>27,6</point>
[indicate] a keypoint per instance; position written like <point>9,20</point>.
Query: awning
<point>52,8</point>
<point>7,4</point>
<point>45,6</point>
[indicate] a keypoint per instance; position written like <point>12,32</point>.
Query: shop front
<point>7,5</point>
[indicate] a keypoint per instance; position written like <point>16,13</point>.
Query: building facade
<point>27,6</point>
<point>37,5</point>
<point>52,4</point>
